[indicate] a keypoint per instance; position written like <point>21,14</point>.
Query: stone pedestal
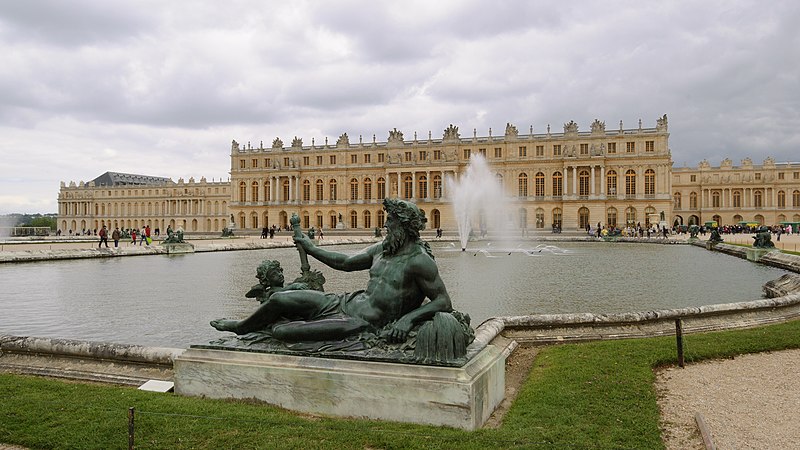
<point>755,254</point>
<point>178,248</point>
<point>461,397</point>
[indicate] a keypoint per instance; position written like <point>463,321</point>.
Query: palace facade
<point>133,201</point>
<point>569,179</point>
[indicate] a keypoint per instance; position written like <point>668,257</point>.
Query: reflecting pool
<point>168,300</point>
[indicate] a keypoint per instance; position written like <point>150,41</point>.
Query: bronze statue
<point>270,280</point>
<point>715,238</point>
<point>763,238</point>
<point>173,237</point>
<point>403,274</point>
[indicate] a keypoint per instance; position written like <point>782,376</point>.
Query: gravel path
<point>750,402</point>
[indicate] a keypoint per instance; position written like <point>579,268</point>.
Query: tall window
<point>650,182</point>
<point>611,182</point>
<point>584,149</point>
<point>583,217</point>
<point>583,183</point>
<point>286,190</point>
<point>522,185</point>
<point>267,197</point>
<point>611,217</point>
<point>630,216</point>
<point>715,199</point>
<point>539,184</point>
<point>557,218</point>
<point>423,187</point>
<point>540,150</point>
<point>523,151</point>
<point>242,192</point>
<point>796,199</point>
<point>557,184</point>
<point>332,190</point>
<point>381,189</point>
<point>367,190</point>
<point>757,199</point>
<point>612,147</point>
<point>498,152</point>
<point>781,199</point>
<point>353,189</point>
<point>630,147</point>
<point>737,199</point>
<point>367,219</point>
<point>539,218</point>
<point>354,159</point>
<point>320,188</point>
<point>437,186</point>
<point>381,218</point>
<point>630,182</point>
<point>254,190</point>
<point>676,200</point>
<point>649,146</point>
<point>408,186</point>
<point>353,219</point>
<point>557,150</point>
<point>306,190</point>
<point>693,200</point>
<point>648,213</point>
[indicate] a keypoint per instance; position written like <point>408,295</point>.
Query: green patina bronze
<point>763,238</point>
<point>694,230</point>
<point>715,238</point>
<point>174,237</point>
<point>227,232</point>
<point>404,314</point>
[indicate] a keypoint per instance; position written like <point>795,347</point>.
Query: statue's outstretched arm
<point>339,261</point>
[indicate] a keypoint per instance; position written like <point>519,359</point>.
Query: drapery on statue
<point>403,274</point>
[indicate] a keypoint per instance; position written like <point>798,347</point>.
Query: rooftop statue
<point>390,315</point>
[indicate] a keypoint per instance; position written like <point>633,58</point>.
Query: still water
<point>168,300</point>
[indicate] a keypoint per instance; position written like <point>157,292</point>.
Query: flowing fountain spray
<point>477,198</point>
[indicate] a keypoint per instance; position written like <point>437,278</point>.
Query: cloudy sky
<point>161,88</point>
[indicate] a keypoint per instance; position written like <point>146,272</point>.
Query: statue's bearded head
<point>407,222</point>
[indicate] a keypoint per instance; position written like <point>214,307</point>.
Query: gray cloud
<point>90,86</point>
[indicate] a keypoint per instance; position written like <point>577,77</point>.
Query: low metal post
<point>679,338</point>
<point>130,428</point>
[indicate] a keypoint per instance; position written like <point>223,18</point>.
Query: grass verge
<point>591,395</point>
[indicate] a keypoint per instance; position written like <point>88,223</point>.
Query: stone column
<point>564,182</point>
<point>591,184</point>
<point>428,184</point>
<point>603,180</point>
<point>575,180</point>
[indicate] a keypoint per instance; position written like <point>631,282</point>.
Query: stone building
<point>767,193</point>
<point>133,201</point>
<point>569,179</point>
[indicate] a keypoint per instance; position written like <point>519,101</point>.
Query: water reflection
<point>168,300</point>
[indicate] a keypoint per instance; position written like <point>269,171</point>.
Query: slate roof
<point>123,179</point>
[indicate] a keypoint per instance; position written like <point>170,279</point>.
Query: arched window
<point>353,190</point>
<point>320,188</point>
<point>611,182</point>
<point>423,187</point>
<point>717,218</point>
<point>381,218</point>
<point>538,181</point>
<point>649,182</point>
<point>796,199</point>
<point>436,216</point>
<point>630,182</point>
<point>781,199</point>
<point>408,187</point>
<point>630,216</point>
<point>522,185</point>
<point>319,219</point>
<point>737,218</point>
<point>676,200</point>
<point>437,187</point>
<point>557,184</point>
<point>557,219</point>
<point>539,218</point>
<point>353,219</point>
<point>649,213</point>
<point>367,219</point>
<point>367,192</point>
<point>242,191</point>
<point>693,201</point>
<point>254,188</point>
<point>583,183</point>
<point>737,199</point>
<point>758,199</point>
<point>381,188</point>
<point>611,217</point>
<point>583,217</point>
<point>267,197</point>
<point>332,190</point>
<point>306,191</point>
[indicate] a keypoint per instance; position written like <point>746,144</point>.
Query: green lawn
<point>593,395</point>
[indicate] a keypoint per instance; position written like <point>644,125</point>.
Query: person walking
<point>115,236</point>
<point>141,237</point>
<point>133,235</point>
<point>147,235</point>
<point>103,237</point>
